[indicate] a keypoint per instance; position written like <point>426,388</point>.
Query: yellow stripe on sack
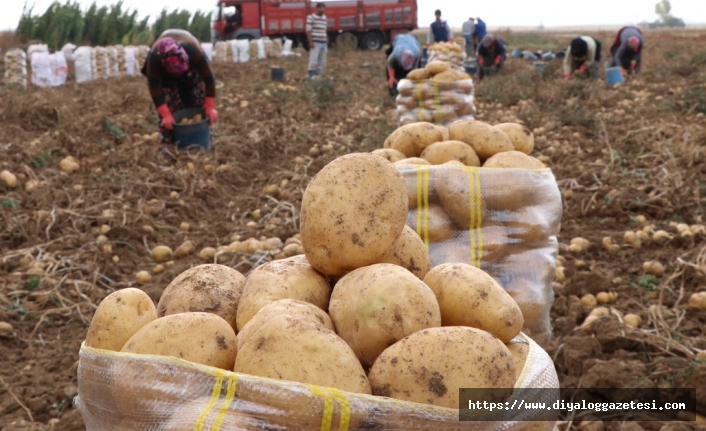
<point>437,103</point>
<point>420,100</point>
<point>478,210</point>
<point>328,406</point>
<point>425,206</point>
<point>215,395</point>
<point>345,409</point>
<point>420,177</point>
<point>223,409</point>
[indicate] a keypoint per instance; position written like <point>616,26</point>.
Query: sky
<point>496,13</point>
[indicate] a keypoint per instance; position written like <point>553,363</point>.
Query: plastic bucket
<point>191,135</point>
<point>471,66</point>
<point>538,65</point>
<point>277,74</point>
<point>614,76</point>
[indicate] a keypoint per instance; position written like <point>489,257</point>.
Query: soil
<point>617,153</point>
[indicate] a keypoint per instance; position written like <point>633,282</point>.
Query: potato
<point>430,366</point>
<point>469,296</point>
<point>209,288</point>
<point>444,133</point>
<point>375,306</point>
<point>437,66</point>
<point>118,317</point>
<point>280,307</point>
<point>526,225</point>
<point>419,75</point>
<point>444,151</point>
<point>535,301</point>
<point>162,253</point>
<point>292,278</point>
<point>412,161</point>
<point>513,160</point>
<point>519,350</point>
<point>433,223</point>
<point>503,192</point>
<point>448,75</point>
<point>412,139</point>
<point>352,213</point>
<point>485,139</point>
<point>9,178</point>
<point>203,338</point>
<point>202,412</point>
<point>521,137</point>
<point>410,253</point>
<point>460,194</point>
<point>298,349</point>
<point>390,154</point>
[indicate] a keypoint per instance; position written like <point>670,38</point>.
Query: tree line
<point>106,25</point>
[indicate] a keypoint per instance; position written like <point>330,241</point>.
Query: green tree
<point>664,10</point>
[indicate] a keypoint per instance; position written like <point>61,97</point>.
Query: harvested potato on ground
<point>434,67</point>
<point>444,151</point>
<point>298,349</point>
<point>513,160</point>
<point>460,194</point>
<point>162,253</point>
<point>410,253</point>
<point>485,139</point>
<point>430,366</point>
<point>118,317</point>
<point>352,212</point>
<point>287,306</point>
<point>375,306</point>
<point>292,278</point>
<point>390,154</point>
<point>468,296</point>
<point>210,288</point>
<point>203,338</point>
<point>412,139</point>
<point>433,223</point>
<point>521,136</point>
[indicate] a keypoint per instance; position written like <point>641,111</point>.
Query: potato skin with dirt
<point>521,137</point>
<point>390,154</point>
<point>413,138</point>
<point>513,160</point>
<point>298,349</point>
<point>209,288</point>
<point>430,366</point>
<point>468,296</point>
<point>375,306</point>
<point>485,139</point>
<point>410,253</point>
<point>292,278</point>
<point>441,152</point>
<point>118,317</point>
<point>352,213</point>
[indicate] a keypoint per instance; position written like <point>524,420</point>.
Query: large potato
<point>375,306</point>
<point>513,160</point>
<point>431,365</point>
<point>291,307</point>
<point>485,139</point>
<point>437,66</point>
<point>418,75</point>
<point>412,139</point>
<point>292,278</point>
<point>444,151</point>
<point>390,154</point>
<point>210,288</point>
<point>433,223</point>
<point>198,337</point>
<point>118,317</point>
<point>352,213</point>
<point>410,253</point>
<point>459,191</point>
<point>468,296</point>
<point>521,137</point>
<point>298,349</point>
<point>412,161</point>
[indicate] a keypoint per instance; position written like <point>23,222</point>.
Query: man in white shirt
<point>467,32</point>
<point>316,25</point>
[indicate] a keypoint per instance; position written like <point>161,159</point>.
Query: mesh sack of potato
<point>113,70</point>
<point>477,197</point>
<point>277,47</point>
<point>141,55</point>
<point>40,65</point>
<point>99,62</point>
<point>269,47</point>
<point>16,68</point>
<point>451,53</point>
<point>221,50</point>
<point>83,64</point>
<point>130,60</point>
<point>138,392</point>
<point>120,61</point>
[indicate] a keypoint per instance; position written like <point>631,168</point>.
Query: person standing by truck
<point>316,25</point>
<point>439,30</point>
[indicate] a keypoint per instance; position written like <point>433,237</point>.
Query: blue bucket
<point>614,76</point>
<point>192,135</point>
<point>539,65</point>
<point>471,66</point>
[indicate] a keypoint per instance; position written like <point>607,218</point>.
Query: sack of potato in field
<point>476,196</point>
<point>141,56</point>
<point>40,65</point>
<point>113,70</point>
<point>83,64</point>
<point>100,63</point>
<point>130,60</point>
<point>120,61</point>
<point>16,67</point>
<point>451,53</point>
<point>221,52</point>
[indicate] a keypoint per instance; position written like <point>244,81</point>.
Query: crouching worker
<point>582,57</point>
<point>178,76</point>
<point>626,51</point>
<point>403,55</point>
<point>491,55</point>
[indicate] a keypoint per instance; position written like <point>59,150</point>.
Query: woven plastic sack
<point>244,50</point>
<point>113,59</point>
<point>130,54</point>
<point>129,392</point>
<point>83,64</point>
<point>208,50</point>
<point>59,69</point>
<point>438,102</point>
<point>101,63</point>
<point>220,52</point>
<point>16,67</point>
<point>503,221</point>
<point>40,65</point>
<point>141,56</point>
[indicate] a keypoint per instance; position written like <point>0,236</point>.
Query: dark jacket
<point>480,30</point>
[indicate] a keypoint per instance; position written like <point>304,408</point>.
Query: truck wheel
<point>346,41</point>
<point>372,41</point>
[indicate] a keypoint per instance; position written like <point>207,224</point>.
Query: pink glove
<point>582,69</point>
<point>625,72</point>
<point>497,60</point>
<point>166,114</point>
<point>567,75</point>
<point>209,106</point>
<point>480,60</point>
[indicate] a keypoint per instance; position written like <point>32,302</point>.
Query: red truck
<point>367,24</point>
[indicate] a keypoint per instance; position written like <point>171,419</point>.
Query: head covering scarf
<point>407,59</point>
<point>488,41</point>
<point>579,47</point>
<point>174,58</point>
<point>634,43</point>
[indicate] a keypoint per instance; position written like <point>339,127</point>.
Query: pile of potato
<point>503,217</point>
<point>361,311</point>
<point>222,52</point>
<point>435,93</point>
<point>16,67</point>
<point>451,53</point>
<point>193,120</point>
<point>120,61</point>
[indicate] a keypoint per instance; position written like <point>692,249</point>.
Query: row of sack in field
<point>51,69</point>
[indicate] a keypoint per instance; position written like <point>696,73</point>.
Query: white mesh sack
<point>83,64</point>
<point>438,102</point>
<point>16,67</point>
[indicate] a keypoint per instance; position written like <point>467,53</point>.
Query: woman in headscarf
<point>491,55</point>
<point>179,76</point>
<point>626,51</point>
<point>403,55</point>
<point>582,57</point>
